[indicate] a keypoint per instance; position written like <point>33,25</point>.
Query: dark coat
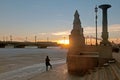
<point>47,61</point>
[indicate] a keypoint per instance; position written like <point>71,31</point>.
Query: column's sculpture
<point>104,24</point>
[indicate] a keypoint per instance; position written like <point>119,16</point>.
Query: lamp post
<point>64,39</point>
<point>35,39</point>
<point>96,10</point>
<point>11,38</point>
<point>3,38</point>
<point>47,39</point>
<point>26,39</point>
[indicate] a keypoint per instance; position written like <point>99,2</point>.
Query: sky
<point>53,19</point>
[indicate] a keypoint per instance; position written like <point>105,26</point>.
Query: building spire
<point>76,22</point>
<point>77,37</point>
<point>76,14</point>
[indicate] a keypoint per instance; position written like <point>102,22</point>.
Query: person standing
<point>47,62</point>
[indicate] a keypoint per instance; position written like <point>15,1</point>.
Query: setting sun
<point>63,41</point>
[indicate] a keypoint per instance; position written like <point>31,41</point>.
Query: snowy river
<point>31,58</point>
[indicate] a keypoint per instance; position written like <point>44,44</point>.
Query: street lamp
<point>11,38</point>
<point>64,39</point>
<point>47,39</point>
<point>96,10</point>
<point>35,39</point>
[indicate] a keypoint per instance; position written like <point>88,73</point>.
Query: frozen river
<point>23,63</point>
<point>27,72</point>
<point>31,50</point>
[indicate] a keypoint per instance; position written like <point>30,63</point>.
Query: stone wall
<point>80,65</point>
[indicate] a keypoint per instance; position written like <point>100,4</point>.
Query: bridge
<point>16,44</point>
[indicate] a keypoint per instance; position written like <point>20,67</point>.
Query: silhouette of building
<point>77,38</point>
<point>80,57</point>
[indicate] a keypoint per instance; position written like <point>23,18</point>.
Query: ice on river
<point>26,73</point>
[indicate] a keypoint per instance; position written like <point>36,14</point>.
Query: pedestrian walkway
<point>110,72</point>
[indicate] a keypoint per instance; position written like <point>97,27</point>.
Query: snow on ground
<point>26,73</point>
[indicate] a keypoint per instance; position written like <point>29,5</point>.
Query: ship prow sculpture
<point>81,57</point>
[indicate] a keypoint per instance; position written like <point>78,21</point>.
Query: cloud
<point>111,28</point>
<point>61,33</point>
<point>114,28</point>
<point>114,31</point>
<point>42,34</point>
<point>92,30</point>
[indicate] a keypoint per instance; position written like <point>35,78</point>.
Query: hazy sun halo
<point>63,41</point>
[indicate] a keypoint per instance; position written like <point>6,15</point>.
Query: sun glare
<point>63,41</point>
